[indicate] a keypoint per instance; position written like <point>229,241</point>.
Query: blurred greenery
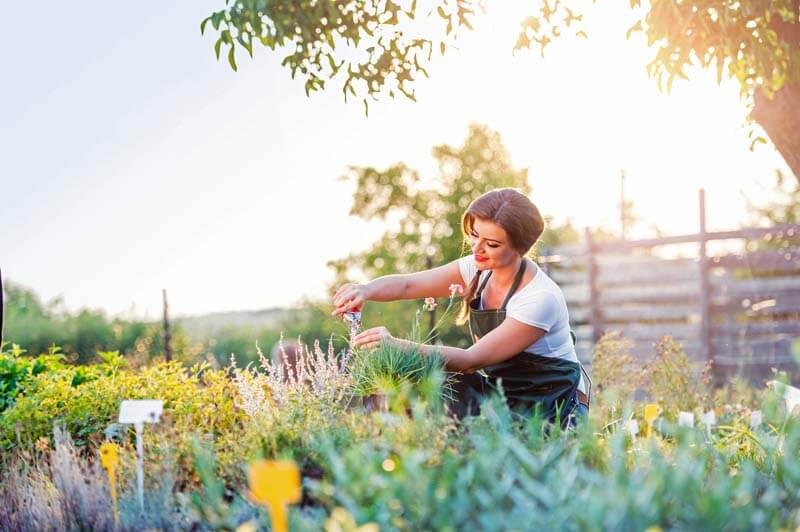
<point>35,327</point>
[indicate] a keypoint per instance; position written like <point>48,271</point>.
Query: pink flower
<point>430,304</point>
<point>456,289</point>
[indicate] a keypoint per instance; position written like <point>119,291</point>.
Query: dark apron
<point>529,381</point>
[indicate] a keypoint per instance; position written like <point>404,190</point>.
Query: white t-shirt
<point>540,303</point>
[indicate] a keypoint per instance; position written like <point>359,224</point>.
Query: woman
<point>517,315</point>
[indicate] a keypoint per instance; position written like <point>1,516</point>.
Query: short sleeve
<point>541,309</point>
<point>468,268</point>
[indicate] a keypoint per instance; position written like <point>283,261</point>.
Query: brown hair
<point>515,213</point>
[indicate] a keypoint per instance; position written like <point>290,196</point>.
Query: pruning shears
<point>354,319</point>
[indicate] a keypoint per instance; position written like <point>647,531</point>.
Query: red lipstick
<point>478,258</point>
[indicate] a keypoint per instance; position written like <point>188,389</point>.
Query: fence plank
<point>569,277</point>
<point>754,233</point>
<point>750,286</point>
<point>756,352</point>
<point>652,332</point>
<point>562,261</point>
<point>787,303</point>
<point>628,259</point>
<point>678,292</point>
<point>746,330</point>
<point>583,332</point>
<point>649,272</point>
<point>578,314</point>
<point>576,294</point>
<point>770,260</point>
<point>649,313</point>
<point>568,249</point>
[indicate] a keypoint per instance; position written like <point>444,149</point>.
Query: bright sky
<point>132,161</point>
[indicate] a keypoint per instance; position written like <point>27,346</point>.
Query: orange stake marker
<point>275,484</point>
<point>109,459</point>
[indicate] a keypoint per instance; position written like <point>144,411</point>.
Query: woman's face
<point>489,243</point>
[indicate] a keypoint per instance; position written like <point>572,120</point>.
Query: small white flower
<point>430,304</point>
<point>456,289</point>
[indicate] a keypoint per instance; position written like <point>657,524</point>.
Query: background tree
<point>380,46</point>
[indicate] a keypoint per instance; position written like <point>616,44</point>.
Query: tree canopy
<point>376,47</point>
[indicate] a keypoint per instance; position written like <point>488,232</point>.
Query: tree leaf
<point>635,27</point>
<point>232,59</point>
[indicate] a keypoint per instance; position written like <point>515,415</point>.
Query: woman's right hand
<point>349,297</point>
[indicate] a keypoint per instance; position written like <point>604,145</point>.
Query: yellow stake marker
<point>109,459</point>
<point>275,484</point>
<point>651,412</point>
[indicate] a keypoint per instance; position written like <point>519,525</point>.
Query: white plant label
<point>790,394</point>
<point>633,427</point>
<point>686,419</point>
<point>709,419</point>
<point>756,418</point>
<point>140,411</point>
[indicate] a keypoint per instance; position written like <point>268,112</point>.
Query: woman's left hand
<point>374,337</point>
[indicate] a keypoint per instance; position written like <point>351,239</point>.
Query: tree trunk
<point>780,115</point>
<point>780,118</point>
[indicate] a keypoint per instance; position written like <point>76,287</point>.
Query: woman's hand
<point>374,337</point>
<point>349,297</point>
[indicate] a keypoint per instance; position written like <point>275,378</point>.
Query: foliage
<point>614,370</point>
<point>386,45</point>
<point>370,44</point>
<point>36,326</point>
<point>198,401</point>
<point>749,41</point>
<point>17,370</point>
<point>673,381</point>
<point>413,468</point>
<point>391,370</point>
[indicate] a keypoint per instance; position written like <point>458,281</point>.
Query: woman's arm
<point>429,283</point>
<point>509,339</point>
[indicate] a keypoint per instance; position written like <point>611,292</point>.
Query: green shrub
<point>673,381</point>
<point>86,399</point>
<point>17,370</point>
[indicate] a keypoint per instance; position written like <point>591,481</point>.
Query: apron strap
<point>483,283</point>
<point>514,285</point>
<point>517,281</point>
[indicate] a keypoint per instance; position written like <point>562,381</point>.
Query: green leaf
<point>203,25</point>
<point>757,140</point>
<point>635,27</point>
<point>217,46</point>
<point>441,12</point>
<point>232,59</point>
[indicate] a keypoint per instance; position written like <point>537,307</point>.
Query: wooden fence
<point>732,297</point>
